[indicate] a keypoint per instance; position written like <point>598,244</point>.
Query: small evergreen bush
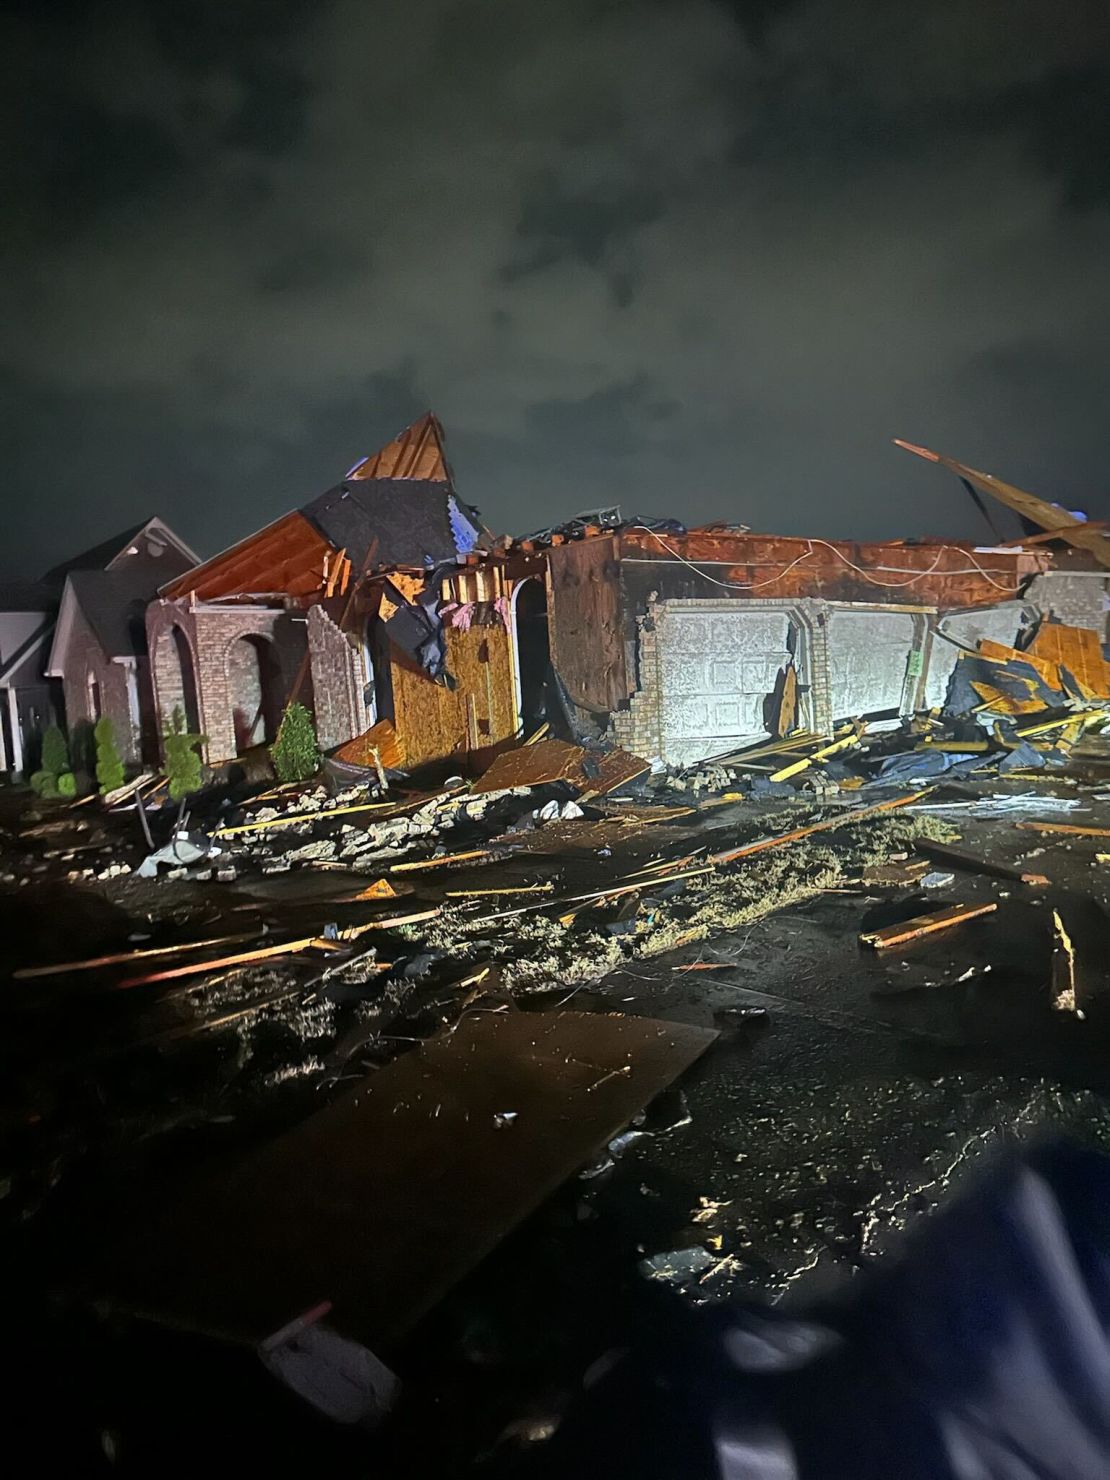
<point>184,771</point>
<point>55,752</point>
<point>296,751</point>
<point>109,766</point>
<point>67,784</point>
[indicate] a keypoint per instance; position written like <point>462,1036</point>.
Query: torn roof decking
<point>1054,520</point>
<point>286,557</point>
<point>417,453</point>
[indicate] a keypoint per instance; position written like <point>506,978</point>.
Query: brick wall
<point>1071,597</point>
<point>338,681</point>
<point>637,727</point>
<point>85,658</point>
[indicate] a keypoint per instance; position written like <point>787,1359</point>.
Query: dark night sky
<point>699,258</point>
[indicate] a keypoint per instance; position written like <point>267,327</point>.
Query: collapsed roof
<point>395,508</point>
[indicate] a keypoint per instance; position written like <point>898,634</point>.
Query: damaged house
<point>416,636</point>
<point>687,644</point>
<point>373,602</point>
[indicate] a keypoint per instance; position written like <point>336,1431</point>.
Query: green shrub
<point>55,752</point>
<point>109,766</point>
<point>67,784</point>
<point>184,771</point>
<point>44,784</point>
<point>296,751</point>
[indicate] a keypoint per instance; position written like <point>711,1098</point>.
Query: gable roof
<point>150,539</point>
<point>27,596</point>
<point>113,601</point>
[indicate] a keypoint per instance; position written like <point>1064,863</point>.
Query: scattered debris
<point>976,863</point>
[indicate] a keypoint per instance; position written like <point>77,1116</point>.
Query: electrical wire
<point>974,569</point>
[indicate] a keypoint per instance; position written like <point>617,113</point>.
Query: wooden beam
<point>844,819</point>
<point>1067,828</point>
<point>922,925</point>
<point>60,968</point>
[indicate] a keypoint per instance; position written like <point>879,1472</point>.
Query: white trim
<point>63,631</point>
<point>514,646</point>
<point>17,732</point>
<point>159,530</point>
<point>133,710</point>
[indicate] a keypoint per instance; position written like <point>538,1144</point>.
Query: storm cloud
<point>692,257</point>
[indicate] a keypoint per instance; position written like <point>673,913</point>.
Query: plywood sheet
<point>382,738</point>
<point>435,722</point>
<point>1078,650</point>
<point>586,631</point>
<point>601,774</point>
<point>533,765</point>
<point>384,1200</point>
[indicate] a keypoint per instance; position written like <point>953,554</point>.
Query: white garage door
<point>716,668</point>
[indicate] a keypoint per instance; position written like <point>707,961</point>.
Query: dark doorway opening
<point>254,684</point>
<point>533,652</point>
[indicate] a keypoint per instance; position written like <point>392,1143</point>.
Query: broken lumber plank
<point>844,741</point>
<point>798,741</point>
<point>243,958</point>
<point>975,863</point>
<point>548,888</point>
<point>471,856</point>
<point>121,793</point>
<point>843,819</point>
<point>920,925</point>
<point>1071,829</point>
<point>118,958</point>
<point>353,932</point>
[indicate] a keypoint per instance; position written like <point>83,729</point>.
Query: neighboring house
<point>282,613</point>
<point>99,649</point>
<point>28,701</point>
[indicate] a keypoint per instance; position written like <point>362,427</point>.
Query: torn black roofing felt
<point>410,519</point>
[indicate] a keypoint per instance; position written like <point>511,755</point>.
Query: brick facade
<point>230,679</point>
